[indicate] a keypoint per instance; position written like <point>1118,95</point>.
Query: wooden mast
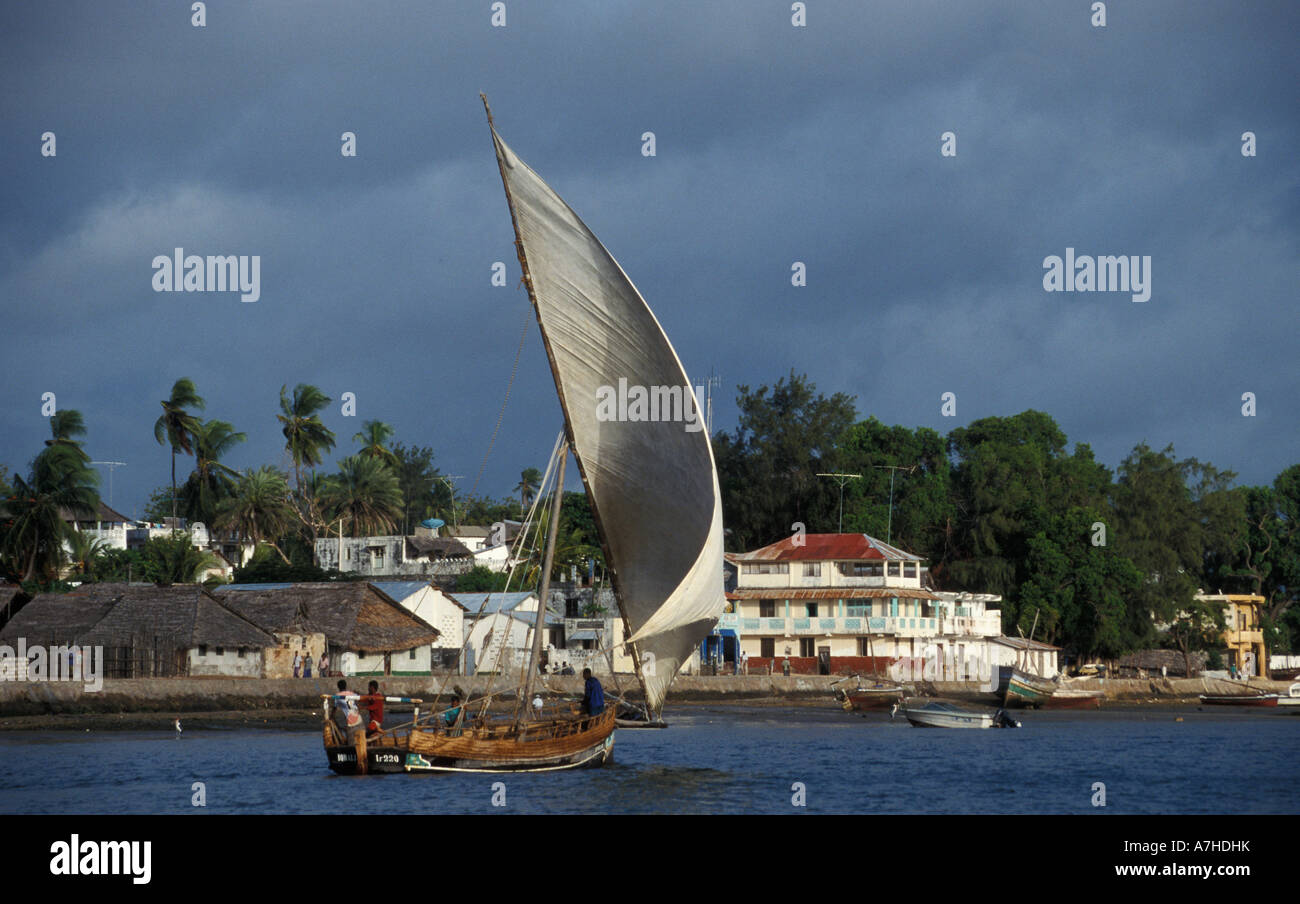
<point>539,627</point>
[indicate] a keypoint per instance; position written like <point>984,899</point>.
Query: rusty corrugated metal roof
<point>818,593</point>
<point>848,547</point>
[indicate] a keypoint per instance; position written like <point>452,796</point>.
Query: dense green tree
<point>424,494</point>
<point>1159,528</point>
<point>176,426</point>
<point>923,511</point>
<point>265,568</point>
<point>1078,587</point>
<point>481,579</point>
<point>768,467</point>
<point>1001,484</point>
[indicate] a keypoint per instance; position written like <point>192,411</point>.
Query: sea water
<point>768,760</point>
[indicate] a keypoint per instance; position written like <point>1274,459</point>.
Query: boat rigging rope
<point>502,413</point>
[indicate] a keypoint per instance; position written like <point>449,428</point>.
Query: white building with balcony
<point>842,603</point>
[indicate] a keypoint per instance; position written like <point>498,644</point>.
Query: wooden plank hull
<point>1240,699</point>
<point>536,747</point>
<point>872,698</point>
<point>1026,690</point>
<point>1074,700</point>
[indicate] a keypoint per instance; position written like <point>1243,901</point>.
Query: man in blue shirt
<point>593,695</point>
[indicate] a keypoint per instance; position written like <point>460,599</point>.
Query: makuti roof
<point>847,547</point>
<point>351,614</point>
<point>185,614</point>
<point>119,614</point>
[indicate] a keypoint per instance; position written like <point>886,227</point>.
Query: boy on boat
<point>374,702</point>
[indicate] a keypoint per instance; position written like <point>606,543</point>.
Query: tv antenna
<point>447,479</point>
<point>889,534</point>
<point>112,466</point>
<point>842,479</point>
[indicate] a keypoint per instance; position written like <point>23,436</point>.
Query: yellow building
<point>1243,631</point>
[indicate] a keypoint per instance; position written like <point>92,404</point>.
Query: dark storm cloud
<point>775,144</point>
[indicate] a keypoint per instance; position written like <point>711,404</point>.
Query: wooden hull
<point>1027,690</point>
<point>872,698</point>
<point>1240,699</point>
<point>535,747</point>
<point>1074,700</point>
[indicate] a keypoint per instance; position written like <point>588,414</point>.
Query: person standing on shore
<point>297,664</point>
<point>325,664</point>
<point>306,667</point>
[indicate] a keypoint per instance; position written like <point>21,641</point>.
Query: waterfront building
<point>432,605</point>
<point>364,629</point>
<point>842,603</point>
<point>1243,633</point>
<point>146,630</point>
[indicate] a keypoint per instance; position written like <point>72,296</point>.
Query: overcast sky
<point>774,144</point>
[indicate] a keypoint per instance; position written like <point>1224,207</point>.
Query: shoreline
<point>293,711</point>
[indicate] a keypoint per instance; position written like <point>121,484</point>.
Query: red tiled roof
<point>848,547</point>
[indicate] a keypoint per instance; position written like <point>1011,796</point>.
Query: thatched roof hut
<point>186,614</point>
<point>351,615</point>
<point>60,618</point>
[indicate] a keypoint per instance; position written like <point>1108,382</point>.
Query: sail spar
<point>652,484</point>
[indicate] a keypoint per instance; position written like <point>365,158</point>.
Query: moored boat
<point>1024,689</point>
<point>938,714</point>
<point>1291,697</point>
<point>1241,699</point>
<point>865,698</point>
<point>1067,698</point>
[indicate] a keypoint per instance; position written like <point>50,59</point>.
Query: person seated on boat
<point>374,702</point>
<point>453,712</point>
<point>345,708</point>
<point>593,695</point>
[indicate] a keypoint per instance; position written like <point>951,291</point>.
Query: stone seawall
<point>180,695</point>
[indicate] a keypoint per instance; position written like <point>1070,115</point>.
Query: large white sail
<point>652,483</point>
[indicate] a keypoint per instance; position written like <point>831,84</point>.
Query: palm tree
<point>259,509</point>
<point>211,481</point>
<point>364,492</point>
<point>307,439</point>
<point>177,561</point>
<point>529,480</point>
<point>177,426</point>
<point>84,549</point>
<point>59,482</point>
<point>65,425</point>
<point>372,437</point>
